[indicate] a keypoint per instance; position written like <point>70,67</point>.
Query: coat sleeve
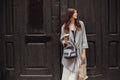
<point>84,37</point>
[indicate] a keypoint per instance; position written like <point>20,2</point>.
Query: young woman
<point>71,67</point>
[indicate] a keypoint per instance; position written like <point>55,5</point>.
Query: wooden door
<point>89,13</point>
<point>30,40</point>
<point>102,21</point>
<point>111,38</point>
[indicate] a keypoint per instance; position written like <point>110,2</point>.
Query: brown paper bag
<point>82,72</point>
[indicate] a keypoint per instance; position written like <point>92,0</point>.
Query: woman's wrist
<point>83,56</point>
<point>84,51</point>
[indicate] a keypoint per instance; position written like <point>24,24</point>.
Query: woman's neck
<point>72,21</point>
<point>72,25</point>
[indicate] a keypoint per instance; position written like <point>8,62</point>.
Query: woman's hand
<point>66,40</point>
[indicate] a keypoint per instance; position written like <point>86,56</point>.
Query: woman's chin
<point>75,18</point>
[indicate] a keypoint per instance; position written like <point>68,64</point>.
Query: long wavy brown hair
<point>69,14</point>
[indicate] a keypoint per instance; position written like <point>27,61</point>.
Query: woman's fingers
<point>66,40</point>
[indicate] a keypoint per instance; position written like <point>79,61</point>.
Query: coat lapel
<point>76,38</point>
<point>71,36</point>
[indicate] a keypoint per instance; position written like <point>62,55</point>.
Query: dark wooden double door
<point>30,30</point>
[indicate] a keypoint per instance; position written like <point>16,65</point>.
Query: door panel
<point>29,40</point>
<point>8,42</point>
<point>111,38</point>
<point>37,46</point>
<point>90,13</point>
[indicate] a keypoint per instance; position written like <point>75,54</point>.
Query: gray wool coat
<point>81,42</point>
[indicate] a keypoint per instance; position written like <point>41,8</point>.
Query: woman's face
<point>75,14</point>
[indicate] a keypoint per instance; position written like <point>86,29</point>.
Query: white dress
<point>80,75</point>
<point>67,75</point>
